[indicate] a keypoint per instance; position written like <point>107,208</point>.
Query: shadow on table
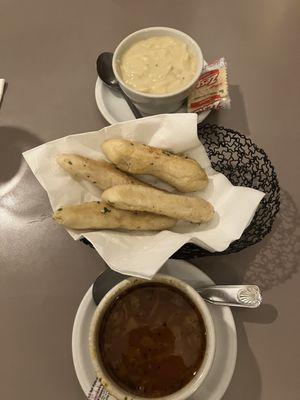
<point>270,262</point>
<point>20,196</point>
<point>13,141</point>
<point>278,256</point>
<point>246,382</point>
<point>236,113</point>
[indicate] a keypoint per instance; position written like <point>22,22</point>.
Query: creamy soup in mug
<point>158,65</point>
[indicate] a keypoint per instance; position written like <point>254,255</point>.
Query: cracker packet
<point>211,89</point>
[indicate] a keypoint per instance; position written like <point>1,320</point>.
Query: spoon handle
<point>234,296</point>
<point>133,108</point>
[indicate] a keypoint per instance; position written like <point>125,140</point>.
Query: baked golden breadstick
<point>139,198</point>
<point>100,215</point>
<point>183,173</point>
<point>99,172</point>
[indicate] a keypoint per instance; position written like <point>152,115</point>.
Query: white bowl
<point>157,103</point>
<point>115,390</point>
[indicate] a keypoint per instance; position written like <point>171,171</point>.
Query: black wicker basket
<point>244,164</point>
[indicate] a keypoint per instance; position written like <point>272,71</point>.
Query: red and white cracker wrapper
<point>211,89</point>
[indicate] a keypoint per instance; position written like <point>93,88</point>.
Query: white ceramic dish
<point>114,108</point>
<point>217,380</point>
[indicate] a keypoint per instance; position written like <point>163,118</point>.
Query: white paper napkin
<point>142,254</point>
<point>2,83</point>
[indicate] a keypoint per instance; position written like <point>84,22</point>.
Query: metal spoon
<point>223,295</point>
<point>106,74</point>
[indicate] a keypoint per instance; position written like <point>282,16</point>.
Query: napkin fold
<point>143,253</point>
<point>2,84</point>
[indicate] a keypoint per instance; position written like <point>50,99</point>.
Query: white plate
<point>222,369</point>
<point>114,108</point>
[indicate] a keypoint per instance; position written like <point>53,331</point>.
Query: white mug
<point>158,103</point>
<point>112,387</point>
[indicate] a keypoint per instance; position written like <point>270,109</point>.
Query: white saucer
<point>222,369</point>
<point>114,108</point>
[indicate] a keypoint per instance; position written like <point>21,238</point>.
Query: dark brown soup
<point>152,340</point>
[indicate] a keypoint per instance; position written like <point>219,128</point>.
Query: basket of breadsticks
<point>141,191</point>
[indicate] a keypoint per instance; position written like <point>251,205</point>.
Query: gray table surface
<point>47,55</point>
